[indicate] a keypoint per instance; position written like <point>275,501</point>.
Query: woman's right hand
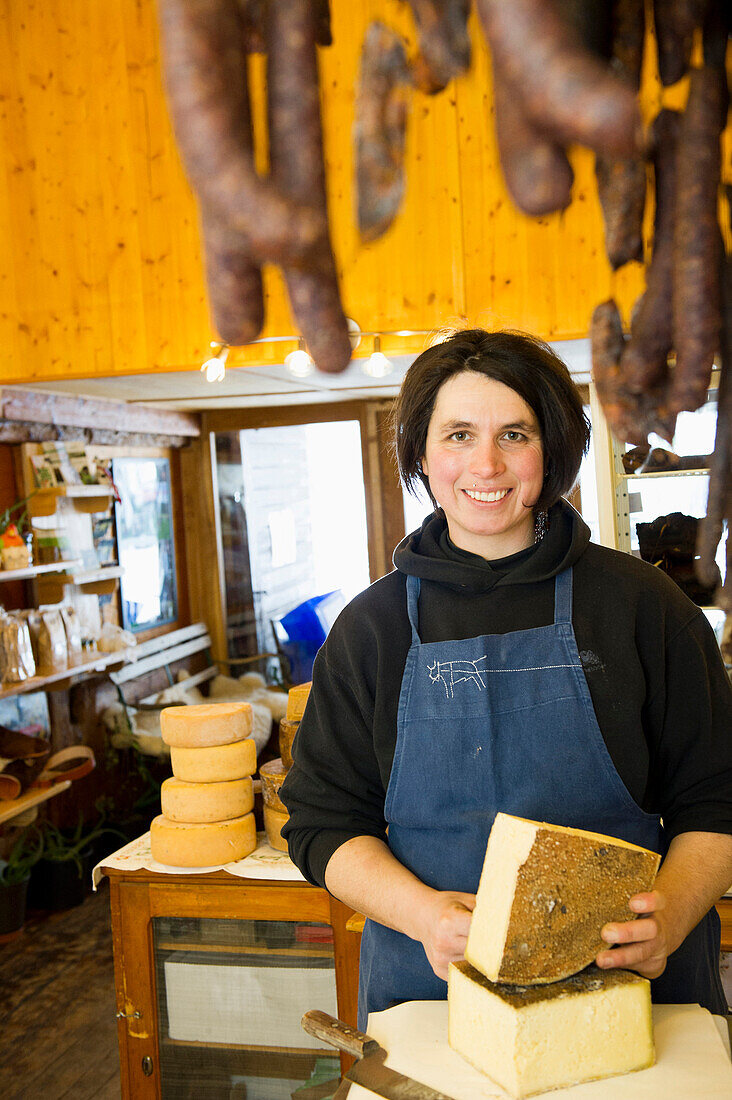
<point>444,927</point>
<point>364,874</point>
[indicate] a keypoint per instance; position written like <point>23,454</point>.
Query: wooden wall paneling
<point>102,269</point>
<point>204,558</point>
<point>171,261</point>
<point>372,486</point>
<point>392,497</point>
<point>181,541</point>
<point>384,501</point>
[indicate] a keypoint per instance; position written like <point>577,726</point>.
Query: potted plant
<point>60,877</point>
<point>15,873</point>
<point>16,536</point>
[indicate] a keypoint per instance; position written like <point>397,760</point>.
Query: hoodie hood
<point>429,554</point>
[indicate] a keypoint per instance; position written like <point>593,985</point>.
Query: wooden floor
<point>58,1032</point>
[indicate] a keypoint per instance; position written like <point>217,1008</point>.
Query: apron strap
<point>413,606</point>
<point>563,596</point>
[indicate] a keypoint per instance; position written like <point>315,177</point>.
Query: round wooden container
<point>288,730</point>
<point>273,822</point>
<point>272,776</point>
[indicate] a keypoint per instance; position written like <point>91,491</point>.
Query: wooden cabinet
<point>185,944</point>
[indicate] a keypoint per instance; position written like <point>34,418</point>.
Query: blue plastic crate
<point>307,626</point>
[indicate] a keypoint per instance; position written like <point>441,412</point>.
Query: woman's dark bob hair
<point>523,363</point>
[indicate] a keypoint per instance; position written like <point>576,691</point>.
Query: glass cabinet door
<point>230,997</point>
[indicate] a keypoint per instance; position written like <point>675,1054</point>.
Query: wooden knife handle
<point>333,1031</point>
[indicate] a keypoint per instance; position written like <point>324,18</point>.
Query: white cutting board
<point>692,1061</point>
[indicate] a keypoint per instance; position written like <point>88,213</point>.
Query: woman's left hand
<point>643,944</point>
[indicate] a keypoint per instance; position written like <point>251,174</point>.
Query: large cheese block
<point>532,1038</point>
<point>297,697</point>
<point>273,822</point>
<point>287,732</point>
<point>215,764</point>
<point>181,844</point>
<point>183,801</point>
<point>545,893</point>
<point>273,776</point>
<point>203,724</point>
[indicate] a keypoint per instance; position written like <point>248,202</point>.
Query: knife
<point>369,1070</point>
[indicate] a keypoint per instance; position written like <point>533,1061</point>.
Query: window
<point>293,522</point>
<point>145,542</point>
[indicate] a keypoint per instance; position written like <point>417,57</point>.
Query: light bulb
<point>377,364</point>
<point>215,370</point>
<point>299,363</point>
<point>214,367</point>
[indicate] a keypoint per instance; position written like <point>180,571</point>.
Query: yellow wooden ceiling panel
<point>101,269</point>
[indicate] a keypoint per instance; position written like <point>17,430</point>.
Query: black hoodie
<point>658,685</point>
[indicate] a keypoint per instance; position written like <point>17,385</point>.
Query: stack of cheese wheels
<point>526,1006</point>
<point>207,817</point>
<point>273,773</point>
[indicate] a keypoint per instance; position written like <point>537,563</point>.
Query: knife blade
<point>368,1070</point>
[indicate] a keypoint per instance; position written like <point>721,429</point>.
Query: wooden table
<point>139,897</point>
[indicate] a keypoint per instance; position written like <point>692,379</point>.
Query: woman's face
<point>485,463</point>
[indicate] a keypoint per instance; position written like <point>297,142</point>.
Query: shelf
<point>101,581</point>
<point>304,951</point>
<point>663,473</point>
<point>100,662</point>
<point>85,498</point>
<point>37,570</point>
<point>11,809</point>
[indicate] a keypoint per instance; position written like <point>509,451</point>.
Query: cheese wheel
<point>182,844</point>
<point>545,892</point>
<point>273,822</point>
<point>215,764</point>
<point>297,697</point>
<point>182,801</point>
<point>203,724</point>
<point>595,1024</point>
<point>273,776</point>
<point>288,729</point>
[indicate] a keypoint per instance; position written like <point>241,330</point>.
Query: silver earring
<point>541,525</point>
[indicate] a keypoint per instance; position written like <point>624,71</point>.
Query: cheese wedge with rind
<point>529,1039</point>
<point>545,893</point>
<point>200,802</point>
<point>203,724</point>
<point>216,763</point>
<point>297,698</point>
<point>182,844</point>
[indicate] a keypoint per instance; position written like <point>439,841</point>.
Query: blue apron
<point>504,722</point>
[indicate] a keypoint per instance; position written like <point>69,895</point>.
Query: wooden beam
<point>20,431</point>
<point>34,407</point>
<point>204,556</point>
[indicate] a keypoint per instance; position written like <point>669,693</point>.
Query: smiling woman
<point>508,664</point>
<point>486,471</point>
